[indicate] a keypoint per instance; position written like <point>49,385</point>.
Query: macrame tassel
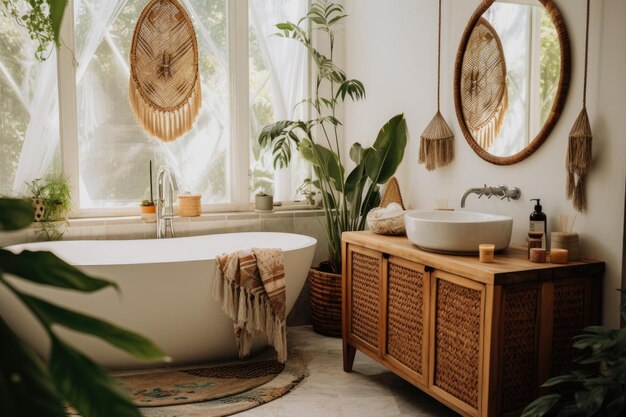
<point>166,125</point>
<point>487,134</point>
<point>436,144</point>
<point>579,157</point>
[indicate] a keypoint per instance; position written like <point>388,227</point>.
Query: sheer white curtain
<point>286,62</point>
<point>41,139</point>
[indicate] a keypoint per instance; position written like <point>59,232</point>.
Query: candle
<point>537,255</point>
<point>485,252</point>
<point>558,256</point>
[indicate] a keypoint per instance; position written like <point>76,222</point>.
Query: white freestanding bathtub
<point>165,288</point>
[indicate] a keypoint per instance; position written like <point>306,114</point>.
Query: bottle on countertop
<point>539,222</point>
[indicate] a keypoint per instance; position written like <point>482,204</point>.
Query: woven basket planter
<point>325,289</point>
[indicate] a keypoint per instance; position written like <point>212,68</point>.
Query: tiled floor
<point>369,391</point>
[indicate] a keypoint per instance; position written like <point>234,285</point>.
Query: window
<point>107,152</point>
<point>28,110</point>
<point>532,52</point>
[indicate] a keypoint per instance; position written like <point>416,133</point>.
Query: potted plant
<point>51,199</point>
<point>147,208</point>
<point>306,190</point>
<point>263,202</point>
<point>346,197</point>
<point>600,384</point>
<point>148,211</point>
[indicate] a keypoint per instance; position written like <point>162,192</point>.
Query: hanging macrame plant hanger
<point>437,140</point>
<point>579,153</point>
<point>164,89</point>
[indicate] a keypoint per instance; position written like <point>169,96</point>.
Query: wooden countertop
<point>510,266</point>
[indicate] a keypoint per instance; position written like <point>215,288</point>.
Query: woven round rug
<point>214,390</point>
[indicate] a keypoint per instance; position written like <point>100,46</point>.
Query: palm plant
<point>346,198</point>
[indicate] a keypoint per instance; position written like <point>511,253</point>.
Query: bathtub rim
<point>308,241</point>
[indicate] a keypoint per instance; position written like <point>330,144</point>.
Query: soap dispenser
<point>539,222</point>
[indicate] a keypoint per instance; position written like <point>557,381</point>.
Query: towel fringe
<point>251,313</point>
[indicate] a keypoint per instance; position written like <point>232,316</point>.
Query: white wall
<point>391,47</point>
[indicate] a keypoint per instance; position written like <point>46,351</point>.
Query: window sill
<point>204,217</point>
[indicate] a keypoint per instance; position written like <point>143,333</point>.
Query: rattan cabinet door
<point>457,322</point>
<point>408,286</point>
<point>364,279</point>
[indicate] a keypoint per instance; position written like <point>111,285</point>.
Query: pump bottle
<point>539,222</point>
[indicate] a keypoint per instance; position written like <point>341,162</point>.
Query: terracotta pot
<point>147,209</point>
<point>325,290</point>
<point>148,214</point>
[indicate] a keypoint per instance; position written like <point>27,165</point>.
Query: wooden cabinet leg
<point>348,357</point>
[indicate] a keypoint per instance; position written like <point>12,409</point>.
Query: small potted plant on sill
<point>263,202</point>
<point>148,211</point>
<point>346,197</point>
<point>51,199</point>
<point>147,207</point>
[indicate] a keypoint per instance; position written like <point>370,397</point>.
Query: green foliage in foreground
<point>28,386</point>
<point>600,383</point>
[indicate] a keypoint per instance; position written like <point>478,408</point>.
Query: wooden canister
<point>189,205</point>
<point>569,241</point>
<point>537,255</point>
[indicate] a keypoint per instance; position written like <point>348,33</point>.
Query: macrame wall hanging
<point>483,84</point>
<point>437,140</point>
<point>164,89</point>
<point>579,146</point>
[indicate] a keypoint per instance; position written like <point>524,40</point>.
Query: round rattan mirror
<point>511,77</point>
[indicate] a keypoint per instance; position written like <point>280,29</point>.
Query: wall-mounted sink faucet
<point>501,191</point>
<point>166,185</point>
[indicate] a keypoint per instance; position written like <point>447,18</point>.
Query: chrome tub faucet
<point>166,186</point>
<point>502,191</point>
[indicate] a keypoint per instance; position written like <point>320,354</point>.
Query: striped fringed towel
<point>250,285</point>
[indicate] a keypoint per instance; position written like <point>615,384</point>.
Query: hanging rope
<point>436,142</point>
<point>439,57</point>
<point>579,153</point>
<point>586,56</point>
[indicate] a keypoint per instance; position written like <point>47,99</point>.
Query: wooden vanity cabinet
<point>480,338</point>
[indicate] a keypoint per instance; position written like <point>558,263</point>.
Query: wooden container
<point>485,252</point>
<point>189,205</point>
<point>569,241</point>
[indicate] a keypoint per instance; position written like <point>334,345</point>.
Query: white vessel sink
<point>458,232</point>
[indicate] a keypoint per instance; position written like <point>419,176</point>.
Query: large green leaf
<point>46,268</point>
<point>15,213</point>
<point>325,159</point>
<point>541,405</point>
<point>86,386</point>
<point>25,389</point>
<point>132,343</point>
<point>387,151</point>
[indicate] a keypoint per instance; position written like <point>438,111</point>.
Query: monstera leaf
<point>28,387</point>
